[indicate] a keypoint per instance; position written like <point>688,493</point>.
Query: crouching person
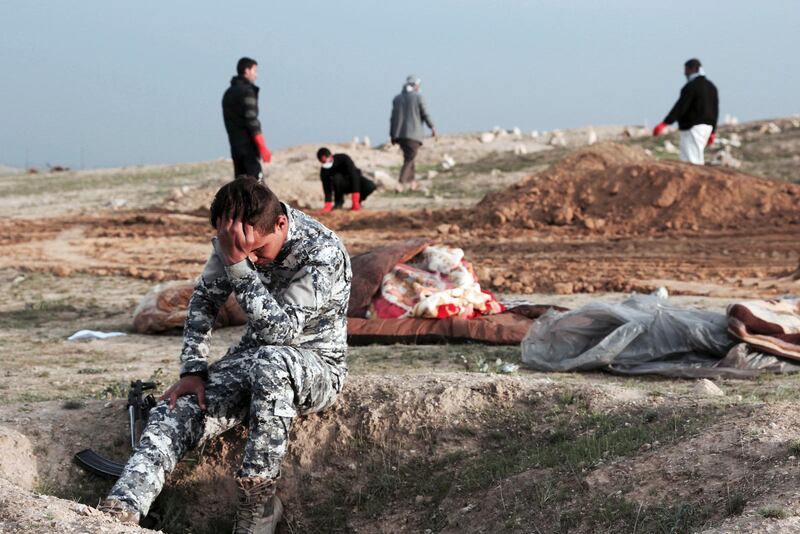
<point>340,177</point>
<point>291,275</point>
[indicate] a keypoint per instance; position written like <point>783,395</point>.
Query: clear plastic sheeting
<point>743,355</point>
<point>643,334</point>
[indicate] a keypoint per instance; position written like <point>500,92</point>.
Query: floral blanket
<point>437,283</point>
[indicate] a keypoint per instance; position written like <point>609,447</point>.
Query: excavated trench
<point>341,471</point>
<point>450,452</point>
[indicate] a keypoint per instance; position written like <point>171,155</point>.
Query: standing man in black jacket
<point>340,177</point>
<point>240,111</point>
<point>696,111</point>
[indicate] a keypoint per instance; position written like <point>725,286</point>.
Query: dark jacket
<point>408,115</point>
<point>240,111</point>
<point>698,104</point>
<point>344,178</point>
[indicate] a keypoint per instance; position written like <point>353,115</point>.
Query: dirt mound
<point>622,189</point>
<point>17,463</point>
<point>24,511</point>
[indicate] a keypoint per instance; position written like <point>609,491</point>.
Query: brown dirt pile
<point>622,189</point>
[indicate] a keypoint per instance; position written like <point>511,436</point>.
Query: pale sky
<point>105,83</point>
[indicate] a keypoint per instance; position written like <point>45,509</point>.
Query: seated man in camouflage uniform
<point>291,275</point>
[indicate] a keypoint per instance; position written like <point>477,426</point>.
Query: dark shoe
<point>259,510</point>
<point>119,511</point>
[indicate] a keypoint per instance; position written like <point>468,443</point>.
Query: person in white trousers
<point>696,111</point>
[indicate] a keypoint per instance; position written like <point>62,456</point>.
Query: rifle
<point>138,409</point>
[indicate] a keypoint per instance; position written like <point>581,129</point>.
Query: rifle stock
<point>138,409</point>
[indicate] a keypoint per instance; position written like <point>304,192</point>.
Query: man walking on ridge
<point>696,111</point>
<point>406,130</point>
<point>240,112</point>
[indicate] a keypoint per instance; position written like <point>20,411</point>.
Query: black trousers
<point>246,163</point>
<point>345,185</point>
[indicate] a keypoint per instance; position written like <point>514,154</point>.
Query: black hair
<point>244,64</point>
<point>693,64</point>
<point>247,199</point>
<point>323,152</point>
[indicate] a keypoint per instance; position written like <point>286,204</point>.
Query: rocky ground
<point>456,449</point>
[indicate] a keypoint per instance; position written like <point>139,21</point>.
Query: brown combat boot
<point>119,511</point>
<point>259,510</point>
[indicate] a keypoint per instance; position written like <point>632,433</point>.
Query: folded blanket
<point>771,326</point>
<point>507,328</point>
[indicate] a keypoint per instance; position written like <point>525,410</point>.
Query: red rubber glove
<point>327,208</point>
<point>659,129</point>
<point>711,138</point>
<point>266,155</point>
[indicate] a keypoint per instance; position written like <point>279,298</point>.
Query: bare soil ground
<point>454,449</point>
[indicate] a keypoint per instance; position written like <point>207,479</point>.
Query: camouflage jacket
<point>300,299</point>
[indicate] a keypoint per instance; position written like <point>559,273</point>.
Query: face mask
<point>700,72</point>
<point>327,164</point>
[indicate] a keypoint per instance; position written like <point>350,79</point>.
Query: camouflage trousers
<point>266,387</point>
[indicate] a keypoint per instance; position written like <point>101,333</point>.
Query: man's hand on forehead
<point>236,239</point>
